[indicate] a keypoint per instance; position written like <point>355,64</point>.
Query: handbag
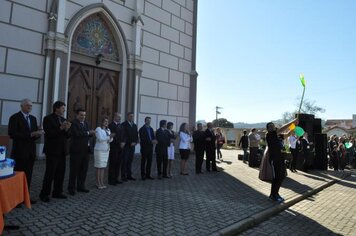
<point>266,172</point>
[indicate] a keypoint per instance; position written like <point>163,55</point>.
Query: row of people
<point>115,147</point>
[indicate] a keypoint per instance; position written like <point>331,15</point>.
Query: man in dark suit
<point>24,131</point>
<point>115,155</point>
<point>210,139</point>
<point>79,153</point>
<point>199,147</point>
<point>147,139</point>
<point>130,139</point>
<point>55,147</point>
<point>163,142</point>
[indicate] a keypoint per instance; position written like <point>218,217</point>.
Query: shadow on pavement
<point>184,205</point>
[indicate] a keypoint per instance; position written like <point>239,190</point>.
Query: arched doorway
<point>94,83</point>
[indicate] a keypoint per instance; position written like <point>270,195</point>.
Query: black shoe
<point>71,192</point>
<point>59,196</point>
<point>33,201</point>
<point>208,170</point>
<point>216,170</point>
<point>131,178</point>
<point>118,182</point>
<point>112,183</point>
<point>165,176</point>
<point>149,177</point>
<point>83,190</point>
<point>44,198</point>
<point>124,180</point>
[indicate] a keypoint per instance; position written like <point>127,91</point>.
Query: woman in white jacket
<point>184,147</point>
<point>101,151</point>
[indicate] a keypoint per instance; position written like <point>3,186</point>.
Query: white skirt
<point>171,152</point>
<point>101,158</point>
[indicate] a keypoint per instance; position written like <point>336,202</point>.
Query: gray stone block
<point>185,40</point>
<point>153,105</point>
<point>16,37</point>
<point>177,23</point>
<point>185,109</point>
<point>183,94</point>
<point>186,15</point>
<point>29,18</point>
<point>23,63</point>
<point>15,87</point>
<point>5,11</point>
<point>148,87</point>
<point>168,61</point>
<point>2,59</point>
<point>172,7</point>
<point>166,90</point>
<point>155,42</point>
<point>188,54</point>
<point>189,5</point>
<point>170,33</point>
<point>188,28</point>
<point>40,5</point>
<point>151,25</point>
<point>155,72</point>
<point>181,2</point>
<point>157,13</point>
<point>121,13</point>
<point>177,50</point>
<point>175,108</point>
<point>150,55</point>
<point>185,66</point>
<point>175,77</point>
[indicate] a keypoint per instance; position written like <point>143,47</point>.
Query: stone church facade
<point>100,55</point>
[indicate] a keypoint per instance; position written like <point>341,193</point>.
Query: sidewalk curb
<point>255,219</point>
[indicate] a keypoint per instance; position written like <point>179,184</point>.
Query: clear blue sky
<point>250,54</point>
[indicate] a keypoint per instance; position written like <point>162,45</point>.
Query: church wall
<point>166,54</point>
<point>167,59</point>
<point>23,26</point>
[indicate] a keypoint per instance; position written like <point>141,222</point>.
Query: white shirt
<point>292,141</point>
<point>102,139</point>
<point>185,140</point>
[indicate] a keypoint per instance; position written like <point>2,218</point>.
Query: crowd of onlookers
<point>342,152</point>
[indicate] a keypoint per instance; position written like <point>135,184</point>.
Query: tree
<point>222,122</point>
<point>308,107</point>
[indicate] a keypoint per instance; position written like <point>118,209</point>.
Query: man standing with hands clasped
<point>147,139</point>
<point>55,147</point>
<point>130,140</point>
<point>79,153</point>
<point>23,130</point>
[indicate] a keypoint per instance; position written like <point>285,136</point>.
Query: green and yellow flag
<point>302,79</point>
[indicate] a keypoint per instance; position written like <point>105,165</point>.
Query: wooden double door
<point>92,89</point>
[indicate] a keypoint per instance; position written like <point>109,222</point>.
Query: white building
<point>101,55</point>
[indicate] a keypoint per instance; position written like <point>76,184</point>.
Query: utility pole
<point>217,112</point>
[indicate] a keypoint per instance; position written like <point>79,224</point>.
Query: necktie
<point>82,125</point>
<point>28,121</point>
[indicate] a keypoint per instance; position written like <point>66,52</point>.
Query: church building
<point>100,55</point>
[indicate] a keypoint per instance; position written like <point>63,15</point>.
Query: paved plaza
<point>203,204</point>
<point>330,212</point>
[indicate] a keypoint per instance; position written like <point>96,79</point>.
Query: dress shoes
<point>216,170</point>
<point>44,198</point>
<point>118,182</point>
<point>112,183</point>
<point>71,192</point>
<point>149,177</point>
<point>124,180</point>
<point>33,201</point>
<point>59,196</point>
<point>83,190</point>
<point>131,178</point>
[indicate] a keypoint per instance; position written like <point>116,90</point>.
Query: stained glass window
<point>94,37</point>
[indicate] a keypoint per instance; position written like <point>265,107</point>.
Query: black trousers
<point>293,164</point>
<point>115,160</point>
<point>162,158</point>
<point>78,168</point>
<point>252,158</point>
<point>210,159</point>
<point>25,165</point>
<point>127,158</point>
<point>146,161</point>
<point>55,170</point>
<point>276,185</point>
<point>199,156</point>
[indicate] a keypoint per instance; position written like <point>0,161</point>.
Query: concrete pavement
<point>208,204</point>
